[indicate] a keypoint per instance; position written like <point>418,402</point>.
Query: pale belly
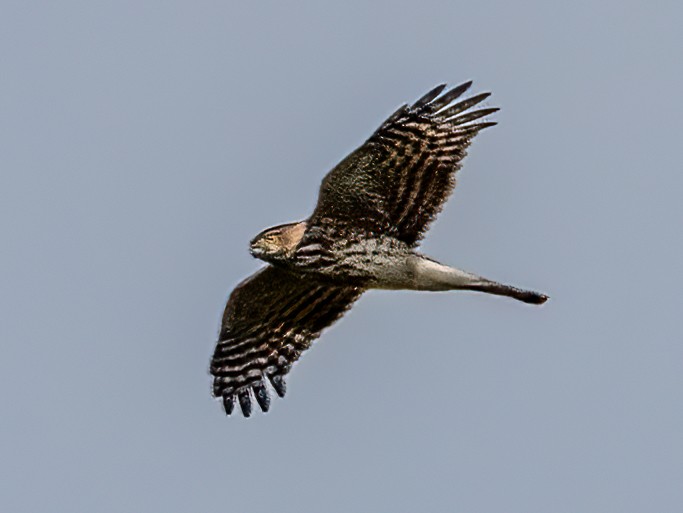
<point>374,263</point>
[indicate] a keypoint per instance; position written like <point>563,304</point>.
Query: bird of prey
<point>373,209</point>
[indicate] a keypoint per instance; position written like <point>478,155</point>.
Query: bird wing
<point>398,181</point>
<point>270,319</point>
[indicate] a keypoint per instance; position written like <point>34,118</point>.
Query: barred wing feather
<point>398,181</point>
<point>270,319</point>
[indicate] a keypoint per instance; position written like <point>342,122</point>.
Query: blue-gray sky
<point>143,144</point>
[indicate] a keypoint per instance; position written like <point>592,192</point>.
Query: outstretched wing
<point>398,181</point>
<point>270,319</point>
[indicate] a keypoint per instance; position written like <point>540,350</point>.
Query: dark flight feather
<point>270,319</point>
<point>398,181</point>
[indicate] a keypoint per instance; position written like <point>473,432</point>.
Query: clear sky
<point>142,144</point>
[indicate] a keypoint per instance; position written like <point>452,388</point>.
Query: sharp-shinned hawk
<point>373,209</point>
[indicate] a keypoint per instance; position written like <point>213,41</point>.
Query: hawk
<point>373,209</point>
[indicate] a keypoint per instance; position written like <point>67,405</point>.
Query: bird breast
<point>376,262</point>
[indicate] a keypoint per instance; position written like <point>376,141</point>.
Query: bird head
<point>277,243</point>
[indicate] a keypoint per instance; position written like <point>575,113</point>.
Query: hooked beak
<point>256,251</point>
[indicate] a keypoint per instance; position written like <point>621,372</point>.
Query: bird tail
<point>431,275</point>
<point>492,287</point>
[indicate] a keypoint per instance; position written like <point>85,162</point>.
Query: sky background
<point>142,145</point>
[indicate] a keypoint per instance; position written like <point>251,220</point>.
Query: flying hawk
<point>373,209</point>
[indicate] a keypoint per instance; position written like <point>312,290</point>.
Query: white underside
<point>420,273</point>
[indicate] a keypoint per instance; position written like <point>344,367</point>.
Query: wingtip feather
<point>471,116</point>
<point>453,94</point>
<point>245,402</point>
<point>459,107</point>
<point>427,98</point>
<point>262,396</point>
<point>279,384</point>
<point>229,404</point>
